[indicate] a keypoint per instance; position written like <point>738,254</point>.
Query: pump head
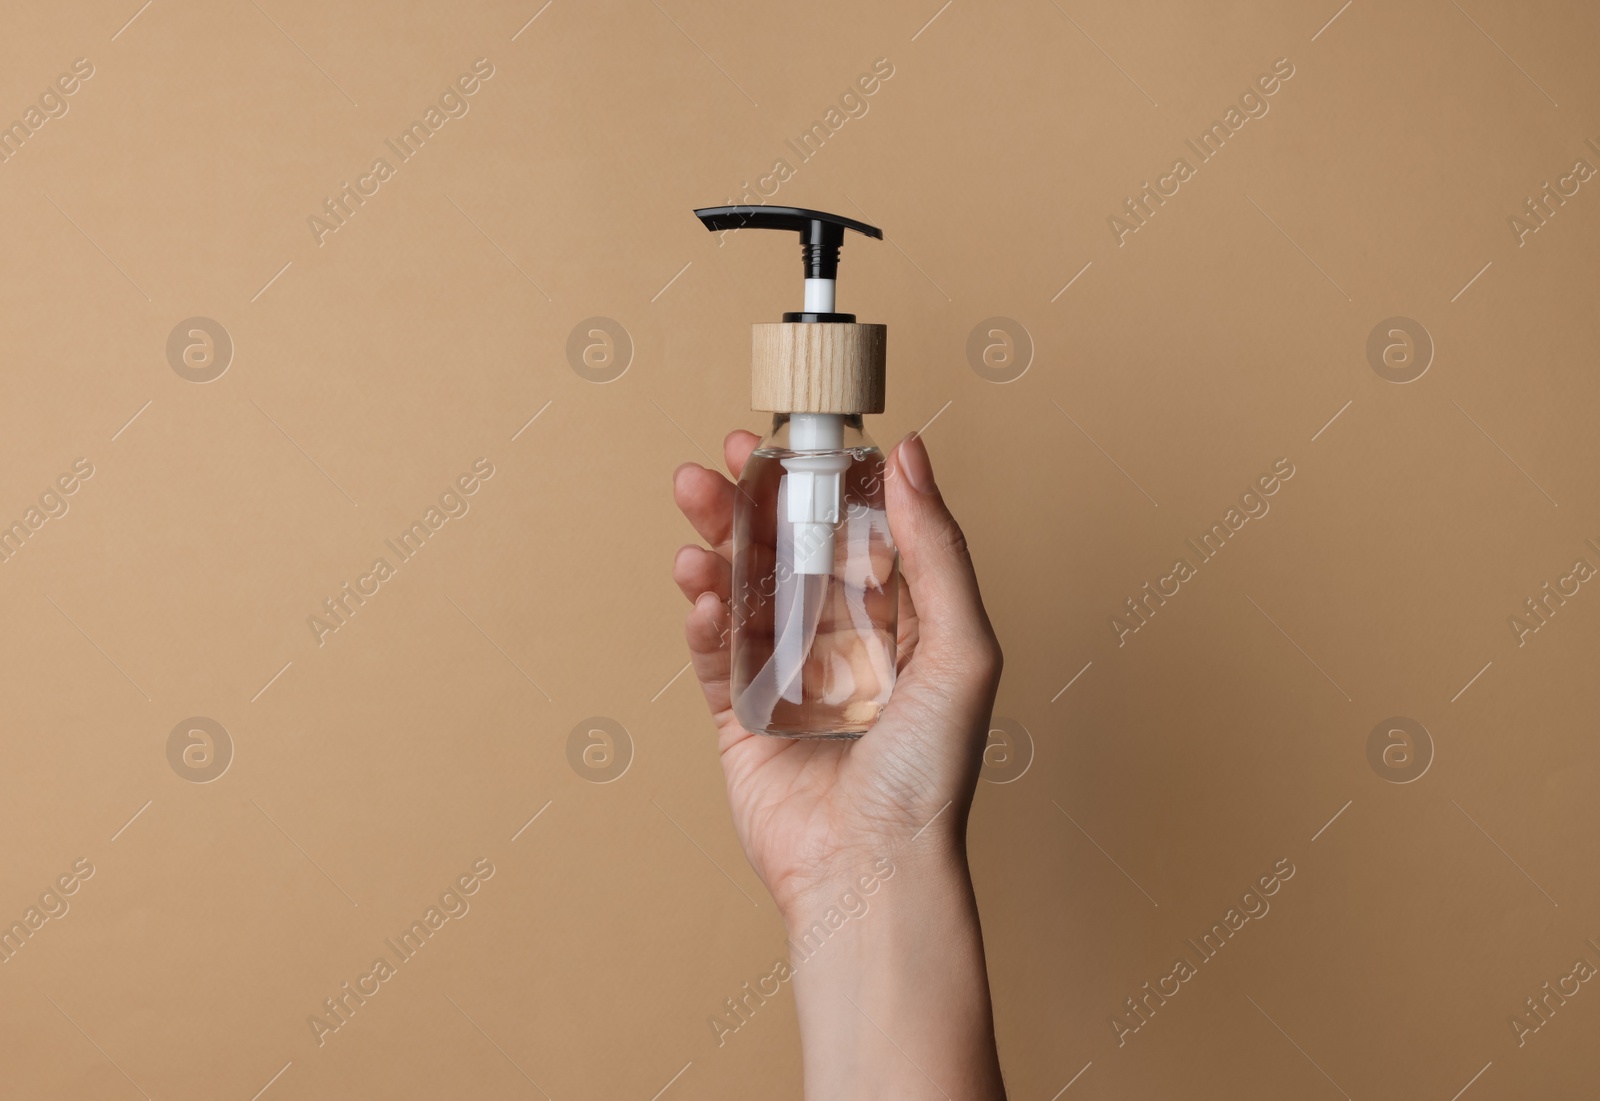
<point>815,361</point>
<point>821,236</point>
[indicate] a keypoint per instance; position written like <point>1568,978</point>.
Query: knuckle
<point>948,539</point>
<point>988,660</point>
<point>975,659</point>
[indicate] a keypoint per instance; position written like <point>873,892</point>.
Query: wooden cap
<point>817,367</point>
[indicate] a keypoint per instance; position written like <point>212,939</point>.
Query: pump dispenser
<point>815,602</point>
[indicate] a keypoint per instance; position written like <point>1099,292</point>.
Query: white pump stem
<point>813,481</point>
<point>819,295</point>
<point>816,431</point>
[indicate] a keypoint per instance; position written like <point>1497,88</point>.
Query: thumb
<point>955,633</point>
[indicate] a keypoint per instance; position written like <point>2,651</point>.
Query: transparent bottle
<point>815,597</point>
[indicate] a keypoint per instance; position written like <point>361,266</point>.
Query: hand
<point>814,814</point>
<point>898,998</point>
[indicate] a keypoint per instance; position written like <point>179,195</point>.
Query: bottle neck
<point>818,432</point>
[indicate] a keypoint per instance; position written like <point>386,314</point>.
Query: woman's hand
<point>894,1002</point>
<point>814,814</point>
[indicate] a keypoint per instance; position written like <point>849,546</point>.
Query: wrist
<point>894,974</point>
<point>905,875</point>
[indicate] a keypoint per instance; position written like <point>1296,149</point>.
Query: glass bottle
<point>815,597</point>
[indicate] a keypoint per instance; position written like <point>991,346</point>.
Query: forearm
<point>895,1002</point>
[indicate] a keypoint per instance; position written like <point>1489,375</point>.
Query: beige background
<point>373,369</point>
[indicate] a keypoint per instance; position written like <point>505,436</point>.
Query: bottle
<point>815,591</point>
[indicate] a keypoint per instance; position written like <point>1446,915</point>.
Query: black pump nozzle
<point>821,236</point>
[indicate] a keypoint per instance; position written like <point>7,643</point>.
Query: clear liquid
<point>813,654</point>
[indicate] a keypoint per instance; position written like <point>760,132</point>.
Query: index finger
<point>736,450</point>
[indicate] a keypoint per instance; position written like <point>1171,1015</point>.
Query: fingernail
<point>678,473</point>
<point>914,461</point>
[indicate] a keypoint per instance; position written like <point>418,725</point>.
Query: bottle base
<point>811,735</point>
<point>811,723</point>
